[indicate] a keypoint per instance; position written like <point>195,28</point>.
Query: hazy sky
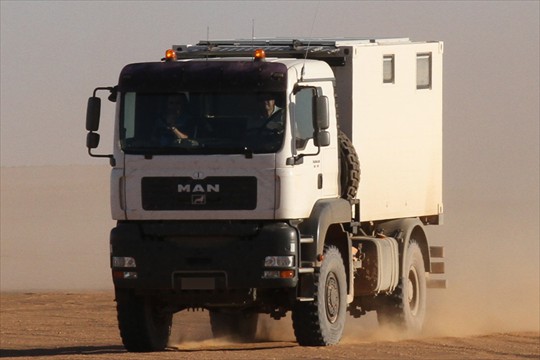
<point>54,53</point>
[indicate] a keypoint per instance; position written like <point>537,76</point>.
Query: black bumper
<point>204,256</point>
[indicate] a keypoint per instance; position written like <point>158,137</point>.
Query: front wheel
<point>406,306</point>
<point>144,323</point>
<point>320,322</point>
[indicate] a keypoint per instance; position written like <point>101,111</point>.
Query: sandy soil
<point>56,291</point>
<point>83,326</point>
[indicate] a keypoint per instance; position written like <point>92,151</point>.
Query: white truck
<point>236,185</point>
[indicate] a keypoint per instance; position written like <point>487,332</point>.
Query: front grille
<point>211,193</point>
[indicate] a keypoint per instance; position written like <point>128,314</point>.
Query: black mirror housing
<point>93,112</point>
<point>92,140</point>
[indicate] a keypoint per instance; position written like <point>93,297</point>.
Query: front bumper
<point>202,256</point>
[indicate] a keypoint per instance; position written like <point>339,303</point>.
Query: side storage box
<point>380,265</point>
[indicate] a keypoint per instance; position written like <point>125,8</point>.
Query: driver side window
<point>303,116</point>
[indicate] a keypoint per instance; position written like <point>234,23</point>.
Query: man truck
<point>263,176</point>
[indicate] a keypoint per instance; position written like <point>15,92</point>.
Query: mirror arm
<point>112,160</point>
<point>299,159</point>
<point>110,88</point>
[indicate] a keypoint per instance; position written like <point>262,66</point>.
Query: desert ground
<point>56,299</point>
<point>83,326</point>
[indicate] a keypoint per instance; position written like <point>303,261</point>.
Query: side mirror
<point>92,140</point>
<point>93,111</point>
<point>322,138</point>
<point>321,113</point>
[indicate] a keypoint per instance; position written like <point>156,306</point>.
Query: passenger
<point>177,118</point>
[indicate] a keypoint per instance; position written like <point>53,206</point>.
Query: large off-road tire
<point>320,322</point>
<point>236,324</point>
<point>144,324</point>
<point>349,167</point>
<point>406,306</point>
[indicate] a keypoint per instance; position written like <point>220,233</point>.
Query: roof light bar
<point>259,55</point>
<point>170,55</point>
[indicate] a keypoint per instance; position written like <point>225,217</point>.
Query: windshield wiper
<point>247,152</point>
<point>190,149</point>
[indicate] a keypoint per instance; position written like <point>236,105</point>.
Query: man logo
<point>202,188</point>
<point>199,199</point>
<point>198,175</point>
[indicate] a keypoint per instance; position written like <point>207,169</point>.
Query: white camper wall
<point>397,132</point>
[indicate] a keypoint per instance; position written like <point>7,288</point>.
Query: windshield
<point>204,123</point>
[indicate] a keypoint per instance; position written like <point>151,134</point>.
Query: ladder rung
<point>306,239</point>
<point>436,284</point>
<point>437,268</point>
<point>436,251</point>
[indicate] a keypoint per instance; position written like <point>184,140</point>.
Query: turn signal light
<point>124,274</point>
<point>286,274</point>
<point>278,274</point>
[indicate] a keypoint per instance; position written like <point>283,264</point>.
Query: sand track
<point>83,326</point>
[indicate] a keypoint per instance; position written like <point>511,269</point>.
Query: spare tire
<point>349,173</point>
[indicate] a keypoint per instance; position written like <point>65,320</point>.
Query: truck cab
<point>236,162</point>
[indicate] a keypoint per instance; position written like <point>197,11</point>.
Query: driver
<point>270,114</point>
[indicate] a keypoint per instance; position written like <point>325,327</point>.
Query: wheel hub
<point>332,297</point>
<point>412,290</point>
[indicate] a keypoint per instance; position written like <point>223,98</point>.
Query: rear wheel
<point>406,306</point>
<point>144,323</point>
<point>240,325</point>
<point>320,322</point>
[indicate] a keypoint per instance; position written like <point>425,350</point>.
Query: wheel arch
<point>419,235</point>
<point>326,214</point>
<point>338,237</point>
<point>325,225</point>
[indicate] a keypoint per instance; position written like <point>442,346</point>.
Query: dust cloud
<point>492,264</point>
<point>54,228</point>
<point>55,224</point>
<point>200,336</point>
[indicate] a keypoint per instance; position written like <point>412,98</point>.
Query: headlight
<point>123,262</point>
<point>279,261</point>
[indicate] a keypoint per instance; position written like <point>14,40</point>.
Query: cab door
<point>302,183</point>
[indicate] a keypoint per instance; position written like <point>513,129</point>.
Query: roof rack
<point>328,50</point>
<point>320,49</point>
<point>294,49</point>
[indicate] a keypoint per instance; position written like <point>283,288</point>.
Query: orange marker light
<point>259,55</point>
<point>286,274</point>
<point>170,55</point>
